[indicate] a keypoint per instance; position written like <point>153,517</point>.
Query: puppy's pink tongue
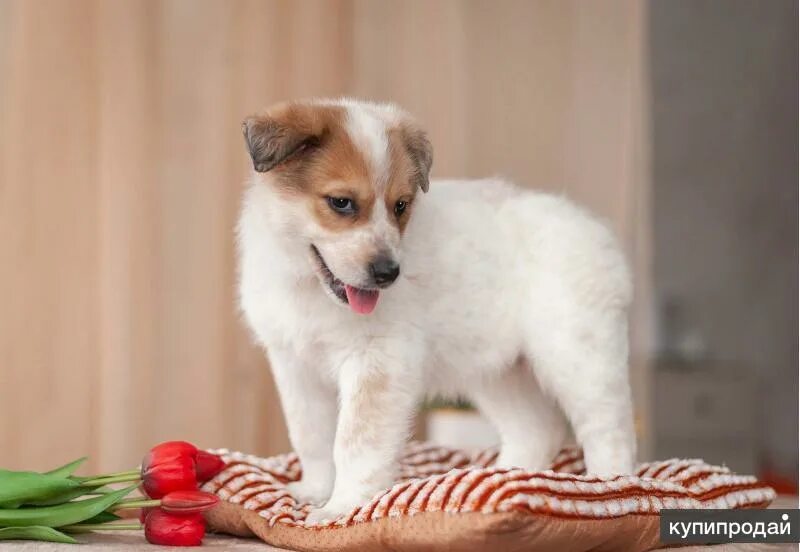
<point>362,301</point>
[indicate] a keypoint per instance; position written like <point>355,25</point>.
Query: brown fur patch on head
<point>420,151</point>
<point>410,159</point>
<point>306,148</point>
<point>307,151</point>
<point>284,132</point>
<point>403,179</point>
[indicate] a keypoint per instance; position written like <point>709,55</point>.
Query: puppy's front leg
<point>309,406</point>
<point>377,398</point>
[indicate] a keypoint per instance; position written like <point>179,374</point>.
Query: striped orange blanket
<point>449,499</point>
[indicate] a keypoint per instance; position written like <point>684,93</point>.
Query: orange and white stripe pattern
<point>437,479</point>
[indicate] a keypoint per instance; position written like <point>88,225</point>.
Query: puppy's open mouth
<point>361,301</point>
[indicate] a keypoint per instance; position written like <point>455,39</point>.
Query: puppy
<point>368,294</point>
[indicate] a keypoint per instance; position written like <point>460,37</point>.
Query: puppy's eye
<point>342,205</point>
<point>400,207</point>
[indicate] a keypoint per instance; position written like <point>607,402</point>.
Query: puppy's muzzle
<point>384,271</point>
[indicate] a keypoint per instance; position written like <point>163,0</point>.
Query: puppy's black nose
<point>384,271</point>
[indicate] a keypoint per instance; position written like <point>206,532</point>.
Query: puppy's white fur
<point>514,299</point>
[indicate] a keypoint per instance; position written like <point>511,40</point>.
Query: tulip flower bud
<point>175,474</point>
<point>188,502</point>
<point>208,465</point>
<point>168,529</point>
<point>177,466</point>
<point>170,450</point>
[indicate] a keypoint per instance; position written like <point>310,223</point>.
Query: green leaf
<point>35,532</point>
<point>67,469</point>
<point>102,517</point>
<point>61,514</point>
<point>60,498</point>
<point>17,487</point>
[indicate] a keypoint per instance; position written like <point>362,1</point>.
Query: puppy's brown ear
<point>421,152</point>
<point>270,143</point>
<point>283,133</point>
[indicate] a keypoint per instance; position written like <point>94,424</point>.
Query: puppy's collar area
<point>361,301</point>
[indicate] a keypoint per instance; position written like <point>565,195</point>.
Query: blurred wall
<point>724,130</point>
<point>121,168</point>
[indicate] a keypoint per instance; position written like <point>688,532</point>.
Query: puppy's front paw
<point>330,512</point>
<point>310,491</point>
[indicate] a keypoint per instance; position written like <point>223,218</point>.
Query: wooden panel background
<point>121,165</point>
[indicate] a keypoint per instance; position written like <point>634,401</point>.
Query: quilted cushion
<point>449,499</point>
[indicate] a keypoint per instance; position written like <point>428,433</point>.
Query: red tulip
<point>170,450</point>
<point>174,474</point>
<point>168,529</point>
<point>177,466</point>
<point>208,465</point>
<point>188,502</point>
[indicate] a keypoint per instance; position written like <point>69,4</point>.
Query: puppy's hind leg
<point>532,429</point>
<point>585,368</point>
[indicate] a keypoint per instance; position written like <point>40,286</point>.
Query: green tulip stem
<point>86,527</point>
<point>135,503</point>
<point>118,474</point>
<point>113,479</point>
<point>98,492</point>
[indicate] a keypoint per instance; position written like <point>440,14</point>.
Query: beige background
<point>121,165</point>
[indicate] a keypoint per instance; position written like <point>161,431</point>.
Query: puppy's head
<point>350,173</point>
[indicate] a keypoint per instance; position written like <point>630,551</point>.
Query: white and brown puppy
<point>368,294</point>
